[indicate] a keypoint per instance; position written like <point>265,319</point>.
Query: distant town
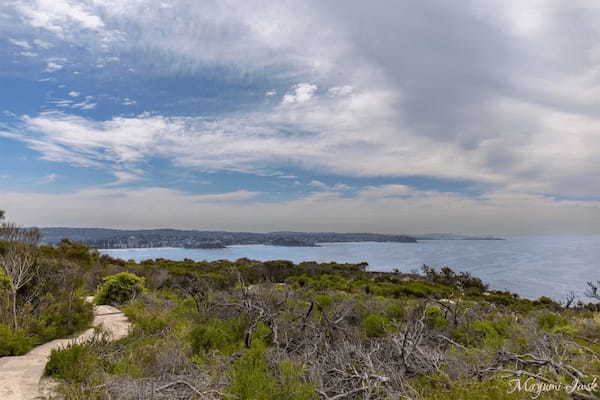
<point>100,238</point>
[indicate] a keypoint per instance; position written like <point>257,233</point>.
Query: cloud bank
<point>503,94</point>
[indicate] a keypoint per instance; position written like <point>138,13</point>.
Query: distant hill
<point>116,238</point>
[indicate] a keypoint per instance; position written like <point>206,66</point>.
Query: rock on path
<point>20,376</point>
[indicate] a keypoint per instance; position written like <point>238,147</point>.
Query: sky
<point>338,115</point>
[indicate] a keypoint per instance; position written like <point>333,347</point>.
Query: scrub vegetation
<point>276,330</point>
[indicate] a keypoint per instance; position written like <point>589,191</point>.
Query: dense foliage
<point>120,288</point>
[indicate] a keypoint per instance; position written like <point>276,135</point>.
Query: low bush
<point>491,333</point>
<point>395,311</point>
<point>250,375</point>
<point>291,384</point>
<point>375,325</point>
<point>550,321</point>
<point>5,283</point>
<point>14,343</point>
<point>226,336</point>
<point>74,363</point>
<point>120,288</point>
<point>61,319</point>
<point>252,378</point>
<point>434,318</point>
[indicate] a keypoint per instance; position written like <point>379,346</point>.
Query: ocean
<point>531,266</point>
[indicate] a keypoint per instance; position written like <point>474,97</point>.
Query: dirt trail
<point>20,376</point>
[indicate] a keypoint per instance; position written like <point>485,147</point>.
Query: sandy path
<point>20,376</point>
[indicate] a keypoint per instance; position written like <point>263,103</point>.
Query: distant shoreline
<point>101,238</point>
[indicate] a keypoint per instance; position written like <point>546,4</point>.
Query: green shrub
<point>487,332</point>
<point>418,288</point>
<point>464,337</point>
<point>252,378</point>
<point>434,318</point>
<point>492,333</point>
<point>149,324</point>
<point>61,319</point>
<point>448,277</point>
<point>226,336</point>
<point>13,343</point>
<point>395,311</point>
<point>549,321</point>
<point>324,300</point>
<point>375,325</point>
<point>5,283</point>
<point>145,321</point>
<point>291,385</point>
<point>547,303</point>
<point>74,363</point>
<point>250,375</point>
<point>120,288</point>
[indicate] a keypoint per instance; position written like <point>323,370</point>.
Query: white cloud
<point>57,16</point>
<point>43,44</point>
<point>74,94</point>
<point>384,191</point>
<point>340,90</point>
<point>332,189</point>
<point>239,195</point>
<point>128,102</point>
<point>62,103</point>
<point>20,43</point>
<point>84,105</point>
<point>52,66</point>
<point>317,184</point>
<point>358,134</point>
<point>125,177</point>
<point>50,178</point>
<point>504,94</point>
<point>302,93</point>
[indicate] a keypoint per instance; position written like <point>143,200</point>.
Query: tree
<point>18,259</point>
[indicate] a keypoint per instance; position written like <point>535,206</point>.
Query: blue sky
<point>414,116</point>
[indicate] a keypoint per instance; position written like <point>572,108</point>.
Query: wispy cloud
<point>20,43</point>
<point>356,134</point>
<point>505,95</point>
<point>50,178</point>
<point>52,66</point>
<point>57,15</point>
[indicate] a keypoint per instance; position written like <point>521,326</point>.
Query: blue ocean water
<point>531,266</point>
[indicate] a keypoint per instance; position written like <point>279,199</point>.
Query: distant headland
<point>102,238</point>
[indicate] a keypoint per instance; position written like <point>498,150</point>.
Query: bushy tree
<point>120,288</point>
